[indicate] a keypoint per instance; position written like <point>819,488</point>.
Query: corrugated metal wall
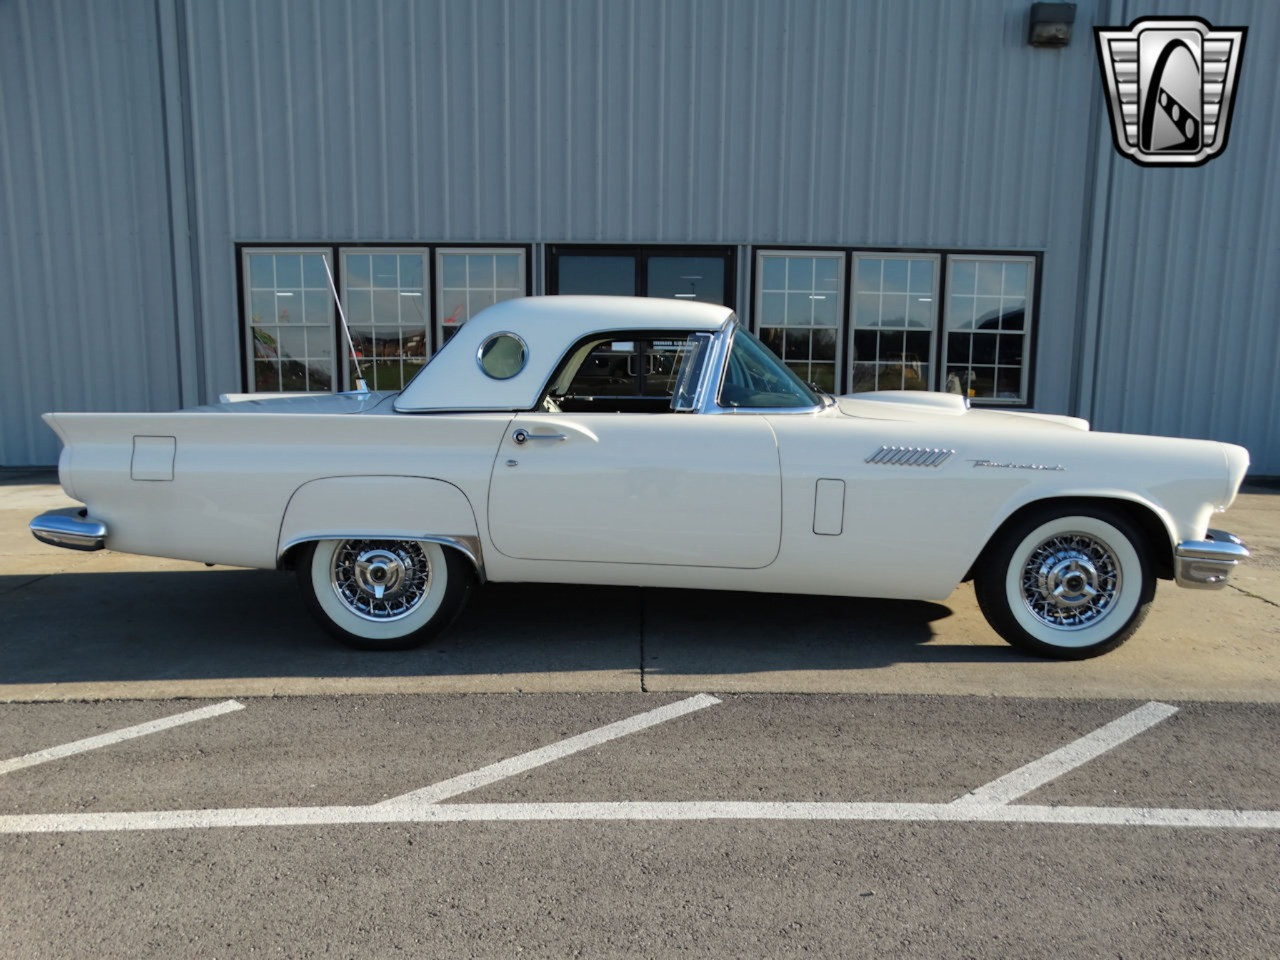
<point>889,123</point>
<point>1188,340</point>
<point>730,121</point>
<point>85,270</point>
<point>812,121</point>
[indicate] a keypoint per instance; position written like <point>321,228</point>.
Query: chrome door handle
<point>521,435</point>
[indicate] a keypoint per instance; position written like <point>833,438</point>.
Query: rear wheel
<point>1069,584</point>
<point>383,594</point>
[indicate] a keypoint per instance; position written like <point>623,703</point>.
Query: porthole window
<point>502,356</point>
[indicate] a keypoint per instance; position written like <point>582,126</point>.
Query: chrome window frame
<point>492,338</point>
<point>694,405</point>
<point>713,379</point>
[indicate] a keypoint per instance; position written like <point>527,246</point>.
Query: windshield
<point>754,377</point>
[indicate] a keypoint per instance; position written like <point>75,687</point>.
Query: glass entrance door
<point>605,274</point>
<point>684,273</point>
<point>686,278</point>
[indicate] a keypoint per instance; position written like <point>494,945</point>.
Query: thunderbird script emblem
<point>1171,84</point>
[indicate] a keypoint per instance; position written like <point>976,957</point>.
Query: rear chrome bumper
<point>1207,564</point>
<point>71,527</point>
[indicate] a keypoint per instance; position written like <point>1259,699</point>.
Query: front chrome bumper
<point>71,527</point>
<point>1207,564</point>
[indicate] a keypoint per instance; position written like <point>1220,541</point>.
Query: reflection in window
<point>916,321</point>
<point>987,327</point>
<point>503,356</point>
<point>798,312</point>
<point>592,274</point>
<point>895,302</point>
<point>753,377</point>
<point>382,292</point>
<point>671,272</point>
<point>686,278</point>
<point>639,374</point>
<point>630,368</point>
<point>470,280</point>
<point>291,333</point>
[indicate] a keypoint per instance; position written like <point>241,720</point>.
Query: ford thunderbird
<point>654,443</point>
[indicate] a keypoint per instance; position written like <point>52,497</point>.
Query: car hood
<point>303,403</point>
<point>918,406</point>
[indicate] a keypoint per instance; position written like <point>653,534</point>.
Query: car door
<point>653,488</point>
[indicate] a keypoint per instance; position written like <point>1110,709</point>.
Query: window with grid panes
<point>383,295</point>
<point>468,280</point>
<point>798,312</point>
<point>917,321</point>
<point>289,314</point>
<point>987,326</point>
<point>894,318</point>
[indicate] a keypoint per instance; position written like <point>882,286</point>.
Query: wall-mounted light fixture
<point>1051,24</point>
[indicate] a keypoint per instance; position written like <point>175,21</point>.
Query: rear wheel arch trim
<point>468,546</point>
<point>456,526</point>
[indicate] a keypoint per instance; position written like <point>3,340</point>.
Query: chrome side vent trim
<point>910,457</point>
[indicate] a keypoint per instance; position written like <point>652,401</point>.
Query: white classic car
<point>656,443</point>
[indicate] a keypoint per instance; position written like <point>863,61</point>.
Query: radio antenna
<point>361,386</point>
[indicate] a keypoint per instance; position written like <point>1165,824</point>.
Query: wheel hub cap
<point>379,572</point>
<point>380,579</point>
<point>1071,581</point>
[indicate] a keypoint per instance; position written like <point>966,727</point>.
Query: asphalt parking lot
<point>189,767</point>
<point>108,626</point>
<point>645,825</point>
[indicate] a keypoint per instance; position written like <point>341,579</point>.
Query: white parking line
<point>537,758</point>
<point>632,811</point>
<point>128,733</point>
<point>1022,781</point>
<point>991,803</point>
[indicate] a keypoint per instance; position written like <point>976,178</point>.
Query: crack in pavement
<point>24,584</point>
<point>1270,603</point>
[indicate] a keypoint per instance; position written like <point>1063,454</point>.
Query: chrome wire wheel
<point>380,580</point>
<point>1071,581</point>
<point>383,594</point>
<point>1069,584</point>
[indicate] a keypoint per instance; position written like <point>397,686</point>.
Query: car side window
<point>755,377</point>
<point>628,374</point>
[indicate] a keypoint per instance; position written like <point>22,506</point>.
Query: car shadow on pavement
<point>183,625</point>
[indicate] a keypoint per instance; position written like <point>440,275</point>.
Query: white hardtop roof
<point>549,326</point>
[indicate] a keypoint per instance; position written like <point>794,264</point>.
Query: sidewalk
<point>105,625</point>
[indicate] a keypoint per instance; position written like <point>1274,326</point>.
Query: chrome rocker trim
<point>1207,564</point>
<point>70,527</point>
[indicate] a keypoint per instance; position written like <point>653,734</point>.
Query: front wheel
<point>383,594</point>
<point>1069,585</point>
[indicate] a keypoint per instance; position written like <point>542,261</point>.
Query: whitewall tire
<point>1070,585</point>
<point>383,594</point>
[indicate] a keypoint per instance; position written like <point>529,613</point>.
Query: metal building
<point>895,193</point>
